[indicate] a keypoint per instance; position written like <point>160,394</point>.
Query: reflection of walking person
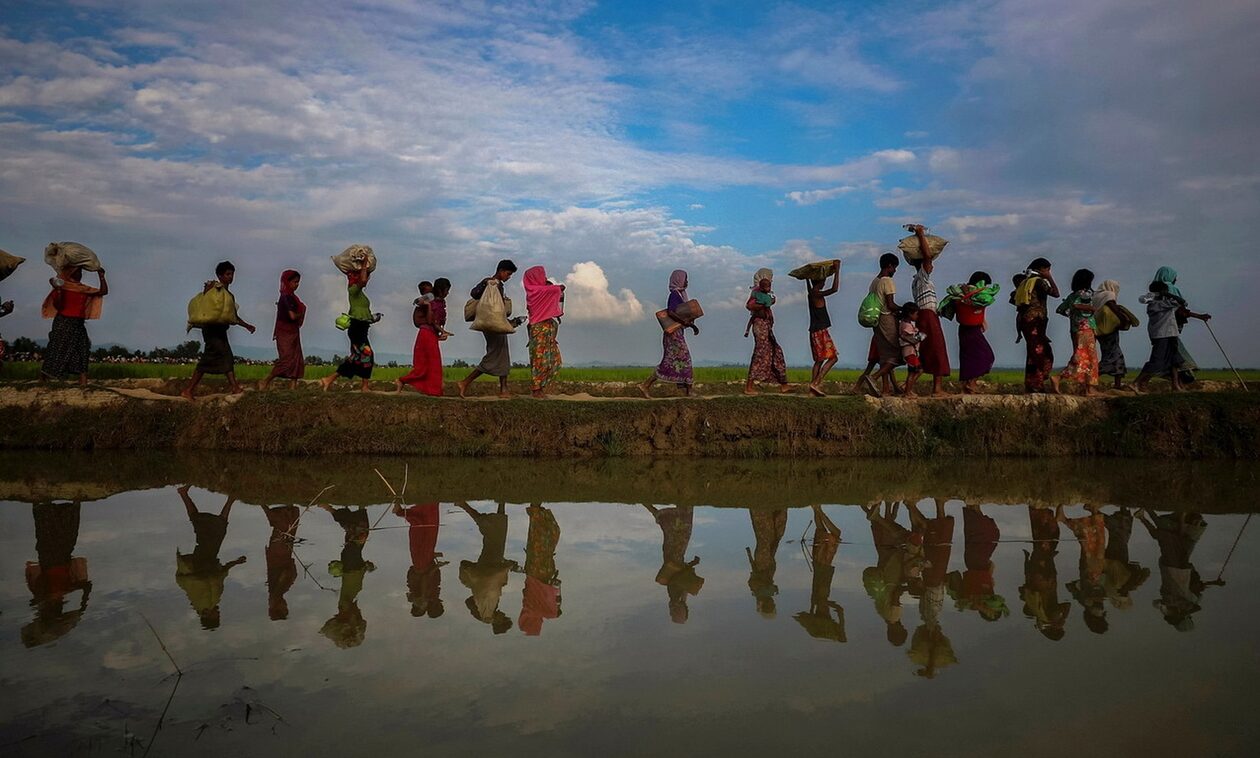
<point>541,598</point>
<point>818,620</point>
<point>677,574</point>
<point>424,576</point>
<point>1180,586</point>
<point>486,577</point>
<point>347,628</point>
<point>200,574</point>
<point>768,527</point>
<point>281,567</point>
<point>55,573</point>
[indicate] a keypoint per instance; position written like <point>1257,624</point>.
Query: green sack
<point>217,306</point>
<point>869,310</point>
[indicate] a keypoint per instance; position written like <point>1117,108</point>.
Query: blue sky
<point>638,137</point>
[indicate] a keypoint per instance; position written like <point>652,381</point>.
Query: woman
<point>290,314</point>
<point>1112,363</point>
<point>70,304</point>
<point>1166,314</point>
<point>426,357</point>
<point>767,364</point>
<point>1031,321</point>
<point>1079,308</point>
<point>541,598</point>
<point>545,302</point>
<point>675,366</point>
<point>933,358</point>
<point>677,574</point>
<point>975,355</point>
<point>424,576</point>
<point>360,361</point>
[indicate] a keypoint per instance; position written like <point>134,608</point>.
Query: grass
<point>18,371</point>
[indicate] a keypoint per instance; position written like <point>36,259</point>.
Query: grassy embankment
<point>1194,425</point>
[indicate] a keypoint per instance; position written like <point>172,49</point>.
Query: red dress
<point>426,356</point>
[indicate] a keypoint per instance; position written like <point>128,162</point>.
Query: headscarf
<point>1106,294</point>
<point>542,299</point>
<point>1167,276</point>
<point>762,273</point>
<point>678,283</point>
<point>285,289</point>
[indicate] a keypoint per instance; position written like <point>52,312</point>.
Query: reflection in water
<point>899,560</point>
<point>1040,592</point>
<point>1180,586</point>
<point>1121,576</point>
<point>541,597</point>
<point>281,567</point>
<point>768,527</point>
<point>929,647</point>
<point>55,574</point>
<point>818,620</point>
<point>424,576</point>
<point>488,575</point>
<point>974,588</point>
<point>348,628</point>
<point>677,574</point>
<point>1091,537</point>
<point>200,574</point>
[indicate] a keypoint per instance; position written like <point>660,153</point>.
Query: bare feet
<point>462,387</point>
<point>1054,386</point>
<point>910,394</point>
<point>538,394</point>
<point>750,391</point>
<point>237,390</point>
<point>187,394</point>
<point>262,386</point>
<point>504,394</point>
<point>644,391</point>
<point>870,385</point>
<point>813,390</point>
<point>398,385</point>
<point>784,389</point>
<point>327,381</point>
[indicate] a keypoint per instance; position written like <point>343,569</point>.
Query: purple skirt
<point>975,357</point>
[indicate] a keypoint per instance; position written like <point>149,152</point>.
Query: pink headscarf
<point>541,298</point>
<point>678,283</point>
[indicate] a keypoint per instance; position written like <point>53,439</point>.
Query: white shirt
<point>924,290</point>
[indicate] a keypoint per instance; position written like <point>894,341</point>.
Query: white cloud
<point>809,197</point>
<point>587,297</point>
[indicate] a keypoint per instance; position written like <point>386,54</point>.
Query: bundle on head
<point>356,259</point>
<point>64,255</point>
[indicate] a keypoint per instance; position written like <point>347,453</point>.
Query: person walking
<point>885,344</point>
<point>933,357</point>
<point>767,364</point>
<point>290,315</point>
<point>545,303</point>
<point>429,318</point>
<point>498,359</point>
<point>216,352</point>
<point>361,360</point>
<point>70,305</point>
<point>1079,308</point>
<point>1031,320</point>
<point>675,365</point>
<point>975,355</point>
<point>821,347</point>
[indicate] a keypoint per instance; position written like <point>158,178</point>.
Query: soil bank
<point>1191,425</point>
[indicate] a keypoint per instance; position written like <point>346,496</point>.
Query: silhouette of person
<point>347,628</point>
<point>898,558</point>
<point>1121,576</point>
<point>677,574</point>
<point>818,620</point>
<point>1180,587</point>
<point>973,589</point>
<point>1040,591</point>
<point>541,598</point>
<point>929,647</point>
<point>55,573</point>
<point>768,527</point>
<point>486,577</point>
<point>200,574</point>
<point>1091,537</point>
<point>424,576</point>
<point>281,567</point>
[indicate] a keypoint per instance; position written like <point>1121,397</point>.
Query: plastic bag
<point>216,306</point>
<point>62,255</point>
<point>909,247</point>
<point>354,259</point>
<point>869,310</point>
<point>492,313</point>
<point>8,264</point>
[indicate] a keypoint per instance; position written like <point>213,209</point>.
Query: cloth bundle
<point>815,271</point>
<point>63,255</point>
<point>9,264</point>
<point>215,306</point>
<point>491,312</point>
<point>909,247</point>
<point>983,297</point>
<point>354,259</point>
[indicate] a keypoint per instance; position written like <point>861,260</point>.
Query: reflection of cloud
<point>589,299</point>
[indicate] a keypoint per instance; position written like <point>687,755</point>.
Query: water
<point>480,637</point>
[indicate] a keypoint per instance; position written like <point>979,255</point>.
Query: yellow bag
<point>217,306</point>
<point>1109,323</point>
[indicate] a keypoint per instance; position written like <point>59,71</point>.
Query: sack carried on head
<point>689,310</point>
<point>355,259</point>
<point>63,255</point>
<point>215,306</point>
<point>909,247</point>
<point>814,271</point>
<point>8,264</point>
<point>491,313</point>
<point>869,310</point>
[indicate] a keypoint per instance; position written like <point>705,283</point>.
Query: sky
<point>614,142</point>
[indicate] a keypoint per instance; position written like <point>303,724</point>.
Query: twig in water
<point>179,676</point>
<point>158,637</point>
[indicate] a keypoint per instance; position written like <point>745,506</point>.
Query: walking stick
<point>1230,554</point>
<point>1208,324</point>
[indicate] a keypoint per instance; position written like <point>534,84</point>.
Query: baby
<point>765,298</point>
<point>909,335</point>
<point>426,297</point>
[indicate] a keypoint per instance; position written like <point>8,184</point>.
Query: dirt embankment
<point>1196,425</point>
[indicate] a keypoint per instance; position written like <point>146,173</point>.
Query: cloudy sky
<point>614,142</point>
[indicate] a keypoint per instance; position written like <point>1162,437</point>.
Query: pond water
<point>557,608</point>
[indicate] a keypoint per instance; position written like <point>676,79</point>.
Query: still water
<point>316,607</point>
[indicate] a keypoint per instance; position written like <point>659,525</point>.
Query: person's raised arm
<point>103,289</point>
<point>921,234</point>
<point>1053,286</point>
<point>835,282</point>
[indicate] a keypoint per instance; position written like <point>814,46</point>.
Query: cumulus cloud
<point>587,297</point>
<point>809,197</point>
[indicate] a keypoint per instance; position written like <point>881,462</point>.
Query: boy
<point>822,347</point>
<point>216,357</point>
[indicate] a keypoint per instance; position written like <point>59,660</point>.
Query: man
<point>885,342</point>
<point>216,356</point>
<point>820,343</point>
<point>497,361</point>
